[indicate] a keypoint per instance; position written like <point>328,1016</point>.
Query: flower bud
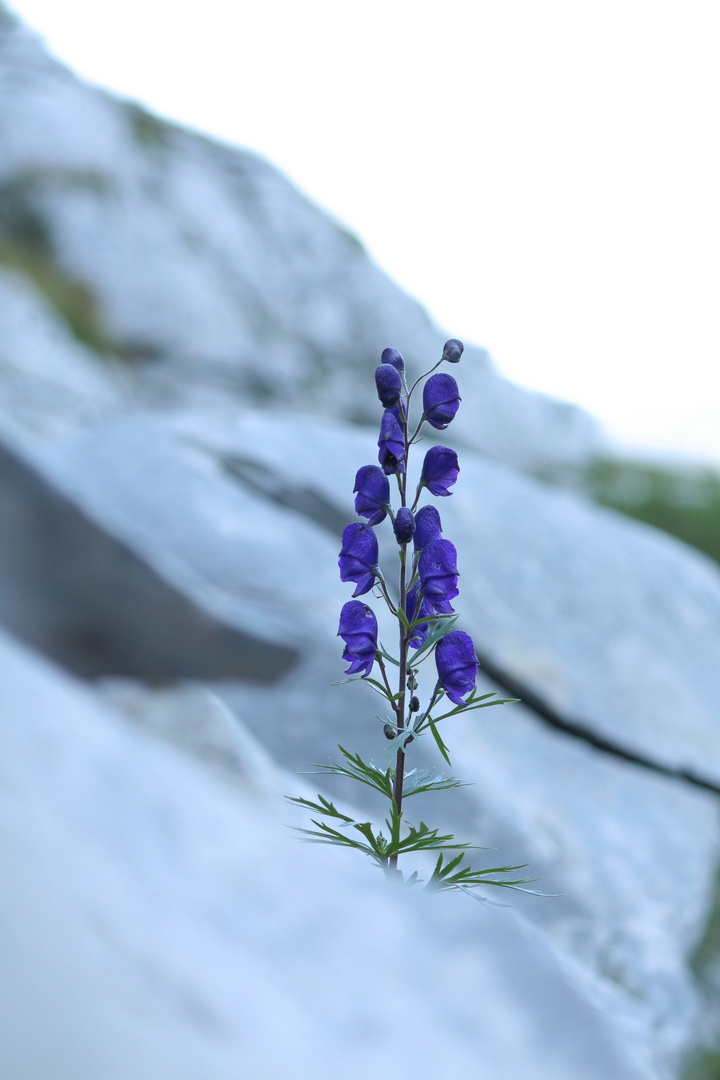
<point>441,400</point>
<point>389,731</point>
<point>358,556</point>
<point>428,527</point>
<point>453,350</point>
<point>440,470</point>
<point>392,356</point>
<point>389,385</point>
<point>414,704</point>
<point>372,497</point>
<point>391,444</point>
<point>358,629</point>
<point>404,525</point>
<point>457,665</point>
<point>439,575</point>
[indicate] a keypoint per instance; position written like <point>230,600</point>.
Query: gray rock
<point>210,510</point>
<point>214,277</point>
<point>50,384</point>
<point>156,924</point>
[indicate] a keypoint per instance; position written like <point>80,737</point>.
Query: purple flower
<point>420,633</point>
<point>389,385</point>
<point>373,494</point>
<point>456,665</point>
<point>392,356</point>
<point>441,400</point>
<point>358,629</point>
<point>453,350</point>
<point>439,575</point>
<point>440,470</point>
<point>391,443</point>
<point>404,525</point>
<point>427,527</point>
<point>358,556</point>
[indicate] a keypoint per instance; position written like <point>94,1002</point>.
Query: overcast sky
<point>544,177</point>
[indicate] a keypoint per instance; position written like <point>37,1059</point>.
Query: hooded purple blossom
<point>373,494</point>
<point>358,556</point>
<point>389,385</point>
<point>440,470</point>
<point>404,525</point>
<point>427,527</point>
<point>392,356</point>
<point>441,400</point>
<point>439,575</point>
<point>358,629</point>
<point>420,632</point>
<point>453,350</point>
<point>391,443</point>
<point>457,665</point>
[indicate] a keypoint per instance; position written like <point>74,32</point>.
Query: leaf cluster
<point>340,830</point>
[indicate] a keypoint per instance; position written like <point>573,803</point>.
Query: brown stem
<point>404,638</point>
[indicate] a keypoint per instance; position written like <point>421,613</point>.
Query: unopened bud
<point>392,356</point>
<point>389,731</point>
<point>453,350</point>
<point>414,704</point>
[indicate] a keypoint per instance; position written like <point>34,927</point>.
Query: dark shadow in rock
<point>88,602</point>
<point>303,499</point>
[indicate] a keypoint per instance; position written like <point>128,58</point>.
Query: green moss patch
<point>71,298</point>
<point>683,501</point>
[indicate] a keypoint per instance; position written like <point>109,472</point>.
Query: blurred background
<point>212,221</point>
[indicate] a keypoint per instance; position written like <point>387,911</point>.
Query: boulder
<point>212,276</point>
<point>243,521</point>
<point>156,922</point>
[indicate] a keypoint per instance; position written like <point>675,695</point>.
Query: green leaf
<point>440,744</point>
<point>398,743</point>
<point>443,625</point>
<point>357,769</point>
<point>323,807</point>
<point>478,704</point>
<point>416,782</point>
<point>387,656</point>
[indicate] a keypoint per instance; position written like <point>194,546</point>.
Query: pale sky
<point>543,176</point>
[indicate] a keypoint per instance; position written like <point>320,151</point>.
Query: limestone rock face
<point>211,275</point>
<point>156,924</point>
<point>243,522</point>
<point>184,340</point>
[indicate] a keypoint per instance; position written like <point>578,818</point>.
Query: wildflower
<point>453,350</point>
<point>427,527</point>
<point>358,556</point>
<point>440,470</point>
<point>373,494</point>
<point>457,665</point>
<point>358,629</point>
<point>391,443</point>
<point>389,385</point>
<point>392,356</point>
<point>441,400</point>
<point>403,525</point>
<point>439,575</point>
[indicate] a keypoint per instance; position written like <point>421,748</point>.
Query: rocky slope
<point>186,357</point>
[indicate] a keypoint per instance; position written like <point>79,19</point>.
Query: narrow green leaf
<point>440,744</point>
<point>467,707</point>
<point>387,656</point>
